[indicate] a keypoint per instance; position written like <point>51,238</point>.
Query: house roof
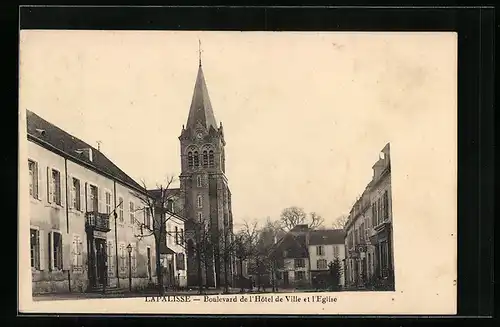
<point>69,145</point>
<point>327,236</point>
<point>201,108</point>
<point>291,246</point>
<point>166,250</point>
<point>170,192</point>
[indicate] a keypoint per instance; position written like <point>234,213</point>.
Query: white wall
<point>329,251</point>
<point>47,217</point>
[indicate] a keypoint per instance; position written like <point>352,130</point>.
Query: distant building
<point>290,258</point>
<point>324,247</point>
<point>369,246</point>
<point>76,243</point>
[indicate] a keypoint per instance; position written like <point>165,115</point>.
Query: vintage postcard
<point>237,172</point>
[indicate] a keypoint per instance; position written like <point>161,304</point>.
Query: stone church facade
<point>205,194</point>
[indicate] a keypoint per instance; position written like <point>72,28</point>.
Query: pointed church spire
<point>199,52</point>
<point>201,111</point>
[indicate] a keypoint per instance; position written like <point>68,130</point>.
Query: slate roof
<point>327,236</point>
<point>68,144</point>
<point>294,245</point>
<point>171,192</point>
<point>201,107</point>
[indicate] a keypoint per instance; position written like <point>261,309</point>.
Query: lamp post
<point>129,249</point>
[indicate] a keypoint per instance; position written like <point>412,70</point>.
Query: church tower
<point>205,192</point>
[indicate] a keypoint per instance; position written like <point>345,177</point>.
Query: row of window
<point>380,209</point>
<point>75,195</point>
<point>380,213</point>
<point>320,251</point>
<point>207,159</point>
<point>55,253</point>
<point>178,235</point>
<point>54,250</point>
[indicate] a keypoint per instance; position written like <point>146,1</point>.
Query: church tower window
<point>190,159</point>
<point>196,159</point>
<point>198,181</point>
<point>205,159</point>
<point>211,158</point>
<point>200,201</point>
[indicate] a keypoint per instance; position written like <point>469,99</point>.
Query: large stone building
<point>77,242</point>
<point>205,193</point>
<point>368,240</point>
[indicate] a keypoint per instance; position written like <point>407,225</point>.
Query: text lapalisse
<point>168,298</point>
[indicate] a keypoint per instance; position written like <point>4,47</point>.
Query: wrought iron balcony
<point>97,221</point>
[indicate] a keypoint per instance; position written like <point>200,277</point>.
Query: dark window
<point>301,275</point>
<point>180,261</point>
<point>170,205</point>
<point>75,191</point>
<point>33,168</point>
<point>205,159</point>
<point>55,250</point>
<point>211,158</point>
<point>190,159</point>
<point>94,200</point>
<point>176,235</point>
<point>196,159</point>
<point>300,263</point>
<point>35,248</point>
<point>374,215</point>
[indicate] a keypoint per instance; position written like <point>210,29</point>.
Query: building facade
<point>326,246</point>
<point>205,194</point>
<point>84,213</point>
<point>368,242</point>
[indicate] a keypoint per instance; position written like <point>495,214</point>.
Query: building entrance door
<point>286,281</point>
<point>101,261</point>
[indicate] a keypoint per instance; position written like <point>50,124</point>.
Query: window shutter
<point>43,252</point>
<point>49,251</point>
<point>61,263</point>
<point>87,195</point>
<point>71,191</point>
<point>37,250</point>
<point>100,204</point>
<point>39,182</point>
<point>82,196</point>
<point>49,186</point>
<point>74,252</point>
<point>62,188</point>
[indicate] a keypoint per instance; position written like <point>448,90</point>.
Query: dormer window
<point>87,152</point>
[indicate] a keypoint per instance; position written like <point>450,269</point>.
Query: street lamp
<point>129,249</point>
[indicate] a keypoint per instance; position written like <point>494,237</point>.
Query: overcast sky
<point>304,114</point>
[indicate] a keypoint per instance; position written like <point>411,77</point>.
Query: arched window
<point>196,159</point>
<point>211,158</point>
<point>190,159</point>
<point>205,158</point>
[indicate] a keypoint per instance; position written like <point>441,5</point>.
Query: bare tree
<point>291,217</point>
<point>339,222</point>
<point>245,245</point>
<point>316,220</point>
<point>155,206</point>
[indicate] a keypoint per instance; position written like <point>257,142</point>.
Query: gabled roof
<point>55,137</point>
<point>201,108</point>
<point>327,236</point>
<point>295,246</point>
